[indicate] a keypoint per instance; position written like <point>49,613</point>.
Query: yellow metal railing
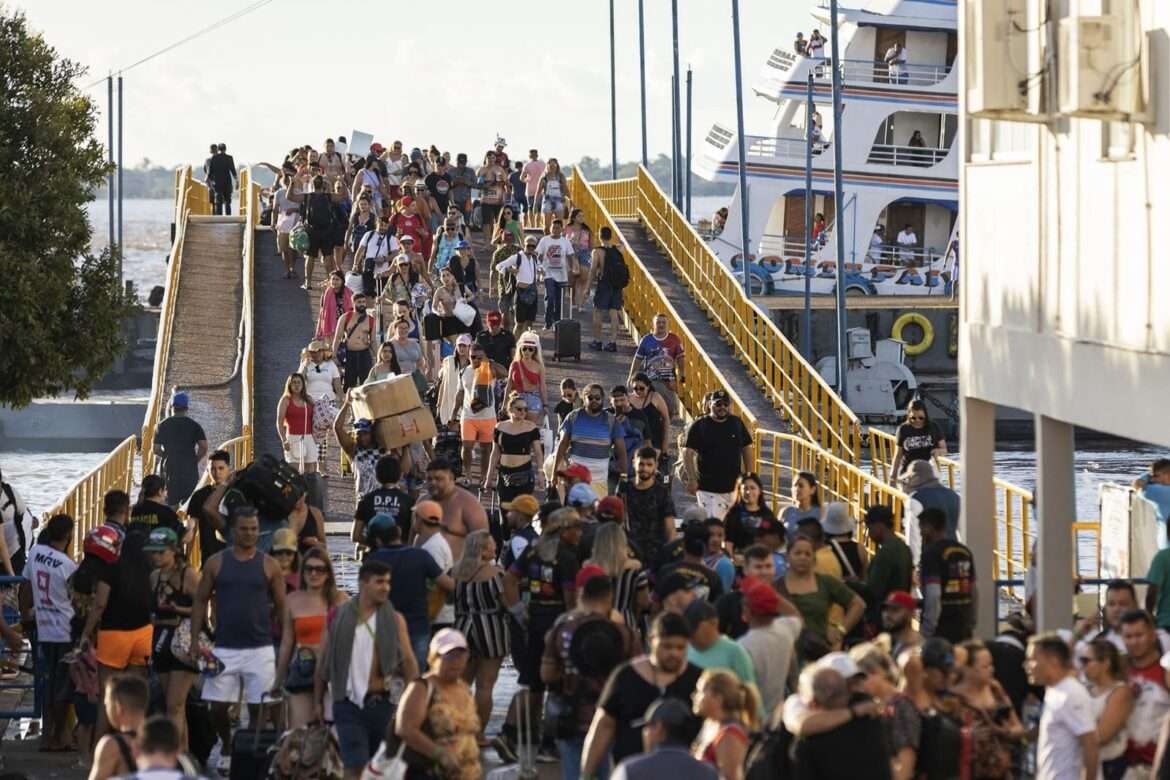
<point>84,500</point>
<point>190,198</point>
<point>795,388</point>
<point>250,209</point>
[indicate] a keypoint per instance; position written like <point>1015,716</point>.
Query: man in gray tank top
<point>248,589</point>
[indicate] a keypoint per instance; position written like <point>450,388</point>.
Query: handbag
<point>384,766</point>
<point>526,295</point>
<point>181,641</point>
<point>301,670</point>
<point>464,312</point>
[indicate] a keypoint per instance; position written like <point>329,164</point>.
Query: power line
<point>209,28</point>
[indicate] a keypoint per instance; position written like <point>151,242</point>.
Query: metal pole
<point>612,94</point>
<point>121,166</point>
<point>673,147</point>
<point>110,146</point>
<point>806,328</point>
<point>675,87</point>
<point>838,202</point>
<point>642,76</point>
<point>741,141</point>
<point>687,170</point>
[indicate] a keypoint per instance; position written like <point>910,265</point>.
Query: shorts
<point>320,242</point>
<point>162,659</point>
<point>478,430</point>
<point>526,312</point>
<point>357,367</point>
<point>120,649</point>
<point>507,301</point>
<point>552,205</point>
<point>534,204</point>
<point>436,327</point>
<point>53,671</point>
<point>360,730</point>
<point>301,449</point>
<point>607,298</point>
<point>533,401</point>
<point>252,667</point>
<point>286,223</point>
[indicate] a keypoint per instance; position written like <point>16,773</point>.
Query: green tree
<point>61,308</point>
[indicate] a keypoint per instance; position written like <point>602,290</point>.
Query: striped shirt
<point>590,436</point>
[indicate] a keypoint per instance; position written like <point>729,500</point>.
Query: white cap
<point>841,663</point>
<point>446,640</point>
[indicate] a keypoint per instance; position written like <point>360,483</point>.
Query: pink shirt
<point>533,169</point>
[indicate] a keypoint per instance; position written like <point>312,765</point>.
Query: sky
<point>453,73</point>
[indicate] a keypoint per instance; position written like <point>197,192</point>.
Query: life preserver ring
<point>914,318</point>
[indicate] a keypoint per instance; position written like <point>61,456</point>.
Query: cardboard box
<point>406,428</point>
<point>386,398</point>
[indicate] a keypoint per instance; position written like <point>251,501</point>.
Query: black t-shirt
<point>645,510</point>
<point>628,694</point>
<point>412,567</point>
<point>743,523</point>
<point>546,582</point>
<point>918,442</point>
<point>209,543</point>
<point>698,572</point>
<point>499,348</point>
<point>178,436</point>
<point>516,545</point>
<point>720,448</point>
<point>440,187</point>
<point>854,749</point>
<point>128,607</point>
<point>152,514</point>
<point>393,501</point>
<point>950,565</point>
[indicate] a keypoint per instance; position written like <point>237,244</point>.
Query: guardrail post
<point>977,523</point>
<point>1056,494</point>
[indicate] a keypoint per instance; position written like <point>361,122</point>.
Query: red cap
<point>611,506</point>
<point>494,316</point>
<point>376,148</point>
<point>576,471</point>
<point>759,597</point>
<point>586,573</point>
<point>406,201</point>
<point>900,598</point>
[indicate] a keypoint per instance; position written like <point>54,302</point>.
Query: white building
<point>1065,227</point>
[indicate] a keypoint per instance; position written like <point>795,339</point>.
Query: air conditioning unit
<point>1101,73</point>
<point>1004,45</point>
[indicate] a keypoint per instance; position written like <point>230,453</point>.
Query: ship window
<point>989,139</point>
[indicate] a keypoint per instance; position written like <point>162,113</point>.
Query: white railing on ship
<point>792,247</point>
<point>769,147</point>
<point>893,154</point>
<point>878,72</point>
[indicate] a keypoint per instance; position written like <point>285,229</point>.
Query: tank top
<point>552,187</point>
<point>308,629</point>
<point>1115,747</point>
<point>654,422</point>
<point>242,605</point>
<point>299,419</point>
<point>166,592</point>
<point>523,379</point>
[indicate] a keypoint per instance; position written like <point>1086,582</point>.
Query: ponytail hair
<point>741,700</point>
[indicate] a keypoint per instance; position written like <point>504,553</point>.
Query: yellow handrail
<point>84,500</point>
<point>803,397</point>
<point>250,210</point>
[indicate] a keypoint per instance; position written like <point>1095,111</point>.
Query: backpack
<point>617,273</point>
<point>298,238</point>
<point>307,752</point>
<point>769,755</point>
<point>17,535</point>
<point>319,212</point>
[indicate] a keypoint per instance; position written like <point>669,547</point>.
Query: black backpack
<point>617,273</point>
<point>319,211</point>
<point>769,755</point>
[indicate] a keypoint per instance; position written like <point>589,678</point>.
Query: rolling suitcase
<point>525,768</point>
<point>567,331</point>
<point>252,751</point>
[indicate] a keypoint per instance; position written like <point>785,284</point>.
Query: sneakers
<point>611,346</point>
<point>547,755</point>
<point>595,346</point>
<point>505,749</point>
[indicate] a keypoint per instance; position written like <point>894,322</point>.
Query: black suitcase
<point>272,485</point>
<point>252,751</point>
<point>567,331</point>
<point>449,446</point>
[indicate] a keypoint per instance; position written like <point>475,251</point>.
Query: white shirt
<point>525,265</point>
<point>467,380</point>
<point>907,238</point>
<point>379,247</point>
<point>48,571</point>
<point>554,256</point>
<point>770,649</point>
<point>319,378</point>
<point>361,660</point>
<point>440,550</point>
<point>394,169</point>
<point>1068,715</point>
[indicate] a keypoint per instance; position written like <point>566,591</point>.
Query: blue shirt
<point>591,436</point>
<point>673,761</point>
<point>411,568</point>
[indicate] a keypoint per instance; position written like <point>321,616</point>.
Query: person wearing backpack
<point>18,524</point>
<point>611,275</point>
<point>320,222</point>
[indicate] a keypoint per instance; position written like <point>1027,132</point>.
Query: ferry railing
<point>894,154</point>
<point>250,210</point>
<point>764,146</point>
<point>84,500</point>
<point>620,197</point>
<point>190,198</point>
<point>802,396</point>
<point>878,72</point>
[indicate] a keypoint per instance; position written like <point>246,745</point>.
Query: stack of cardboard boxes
<point>398,413</point>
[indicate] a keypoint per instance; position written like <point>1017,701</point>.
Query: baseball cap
<point>840,663</point>
<point>407,237</point>
<point>611,506</point>
<point>699,611</point>
<point>464,340</point>
<point>161,539</point>
<point>668,710</point>
<point>284,539</point>
<point>379,526</point>
<point>530,240</point>
<point>524,503</point>
<point>582,494</point>
<point>900,598</point>
<point>363,425</point>
<point>672,583</point>
<point>719,395</point>
<point>938,653</point>
<point>463,245</point>
<point>494,316</point>
<point>576,471</point>
<point>586,573</point>
<point>180,401</point>
<point>759,597</point>
<point>426,510</point>
<point>377,148</point>
<point>448,640</point>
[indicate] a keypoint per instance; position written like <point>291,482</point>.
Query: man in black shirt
<point>150,512</point>
<point>439,183</point>
<point>210,524</point>
<point>718,449</point>
<point>856,748</point>
<point>181,443</point>
<point>221,176</point>
<point>388,498</point>
<point>499,345</point>
<point>649,508</point>
<point>691,566</point>
<point>948,581</point>
<point>520,513</point>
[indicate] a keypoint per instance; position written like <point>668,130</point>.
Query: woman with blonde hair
<point>527,374</point>
<point>479,615</point>
<point>611,551</point>
<point>730,711</point>
<point>294,424</point>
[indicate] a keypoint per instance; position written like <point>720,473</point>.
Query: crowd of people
<point>743,636</point>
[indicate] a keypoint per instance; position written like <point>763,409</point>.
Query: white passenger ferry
<point>899,156</point>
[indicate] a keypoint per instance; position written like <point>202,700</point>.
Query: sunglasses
<point>593,397</point>
<point>917,417</point>
<point>640,388</point>
<point>520,409</point>
<point>527,349</point>
<point>315,569</point>
<point>284,552</point>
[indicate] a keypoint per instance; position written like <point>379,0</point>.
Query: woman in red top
<point>294,424</point>
<point>730,711</point>
<point>408,222</point>
<point>526,375</point>
<point>335,301</point>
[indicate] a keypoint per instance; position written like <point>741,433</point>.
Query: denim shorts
<point>607,298</point>
<point>552,205</point>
